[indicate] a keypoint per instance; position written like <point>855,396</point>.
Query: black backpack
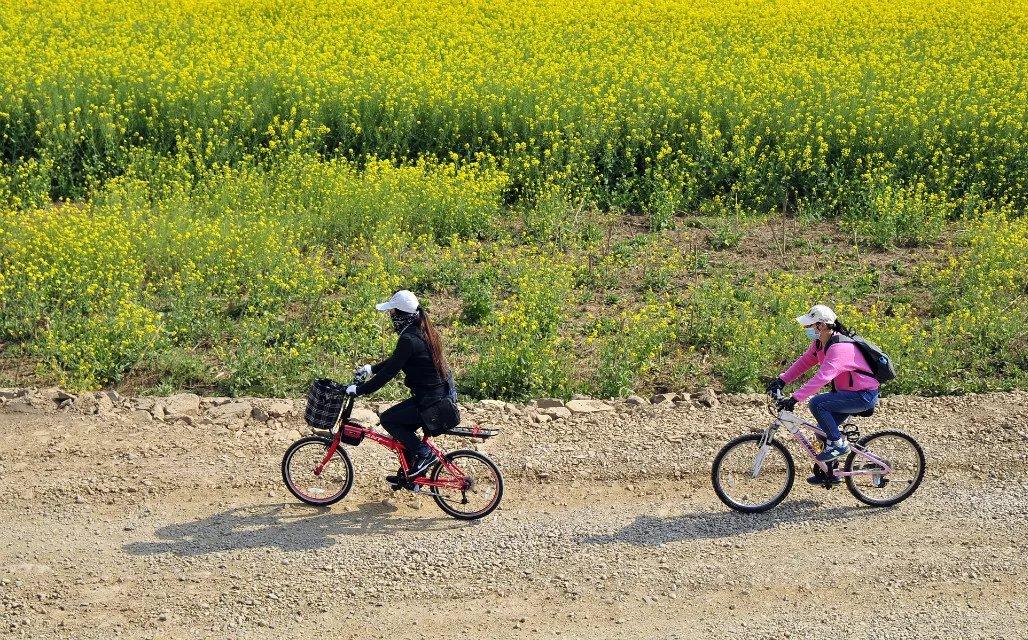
<point>881,365</point>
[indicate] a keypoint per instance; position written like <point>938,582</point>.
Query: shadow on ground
<point>652,531</point>
<point>289,527</point>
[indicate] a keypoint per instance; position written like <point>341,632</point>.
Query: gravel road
<point>121,526</point>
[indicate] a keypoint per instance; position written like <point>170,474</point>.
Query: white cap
<point>402,300</point>
<point>817,313</point>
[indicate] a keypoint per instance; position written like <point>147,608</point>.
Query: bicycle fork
<point>765,444</point>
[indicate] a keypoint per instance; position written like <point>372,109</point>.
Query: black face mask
<point>401,320</point>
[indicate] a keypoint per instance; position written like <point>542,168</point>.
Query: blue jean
<point>831,409</point>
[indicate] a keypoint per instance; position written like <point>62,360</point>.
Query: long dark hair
<point>841,328</point>
<point>435,345</point>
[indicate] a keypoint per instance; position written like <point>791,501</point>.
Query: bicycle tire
<point>722,495</point>
<point>438,467</point>
<point>853,489</point>
<point>287,474</point>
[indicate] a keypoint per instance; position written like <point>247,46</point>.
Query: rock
<point>491,404</point>
<point>366,417</point>
<point>588,405</point>
<point>93,403</point>
<point>11,394</point>
<point>556,412</point>
<point>86,404</point>
<point>635,401</point>
<point>231,411</point>
<point>104,404</point>
<point>260,415</point>
<point>684,398</point>
<point>549,403</point>
<point>185,404</point>
<point>280,408</point>
<point>145,403</point>
<point>543,418</point>
<point>663,398</point>
<point>707,398</point>
<point>158,412</point>
<point>21,405</point>
<point>141,416</point>
<point>55,394</point>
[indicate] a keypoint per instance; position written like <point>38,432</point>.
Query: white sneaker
<point>834,450</point>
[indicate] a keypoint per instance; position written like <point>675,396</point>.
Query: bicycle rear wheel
<point>478,485</point>
<point>750,479</point>
<point>298,466</point>
<point>902,453</point>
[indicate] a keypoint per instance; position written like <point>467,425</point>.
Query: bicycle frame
<point>793,424</point>
<point>458,481</point>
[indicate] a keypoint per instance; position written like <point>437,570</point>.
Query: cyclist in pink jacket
<point>842,365</point>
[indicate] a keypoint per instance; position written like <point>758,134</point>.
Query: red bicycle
<point>465,484</point>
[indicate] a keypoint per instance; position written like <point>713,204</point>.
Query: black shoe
<point>818,479</point>
<point>420,465</point>
<point>397,480</point>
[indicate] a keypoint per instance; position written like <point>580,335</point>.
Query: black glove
<point>787,404</point>
<point>775,385</point>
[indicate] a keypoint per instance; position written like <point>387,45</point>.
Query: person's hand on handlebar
<point>786,404</point>
<point>775,385</point>
<point>351,390</point>
<point>362,372</point>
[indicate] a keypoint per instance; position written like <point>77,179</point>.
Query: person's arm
<point>375,368</point>
<point>801,366</point>
<point>387,369</point>
<point>832,366</point>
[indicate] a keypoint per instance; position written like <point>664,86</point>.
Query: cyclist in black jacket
<point>419,355</point>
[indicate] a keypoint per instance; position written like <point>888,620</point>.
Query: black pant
<point>402,421</point>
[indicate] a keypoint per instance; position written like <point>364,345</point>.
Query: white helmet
<point>402,300</point>
<point>817,313</point>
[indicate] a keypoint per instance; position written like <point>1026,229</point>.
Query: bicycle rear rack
<point>474,431</point>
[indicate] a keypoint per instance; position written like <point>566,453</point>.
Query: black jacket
<point>413,357</point>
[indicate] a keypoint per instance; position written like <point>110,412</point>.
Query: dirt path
<point>116,526</point>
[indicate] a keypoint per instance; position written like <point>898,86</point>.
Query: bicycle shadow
<point>287,526</point>
<point>651,531</point>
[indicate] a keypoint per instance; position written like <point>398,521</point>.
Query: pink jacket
<point>841,363</point>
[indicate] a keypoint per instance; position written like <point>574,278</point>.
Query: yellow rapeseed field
<point>210,195</point>
<point>652,102</point>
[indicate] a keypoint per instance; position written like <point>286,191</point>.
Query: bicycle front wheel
<point>898,450</point>
<point>319,489</point>
<point>752,478</point>
<point>472,485</point>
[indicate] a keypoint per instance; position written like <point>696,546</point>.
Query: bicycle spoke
<point>752,475</point>
<point>886,468</point>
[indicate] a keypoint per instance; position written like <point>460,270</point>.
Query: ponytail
<point>841,328</point>
<point>435,345</point>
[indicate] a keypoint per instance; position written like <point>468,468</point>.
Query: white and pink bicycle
<point>755,472</point>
